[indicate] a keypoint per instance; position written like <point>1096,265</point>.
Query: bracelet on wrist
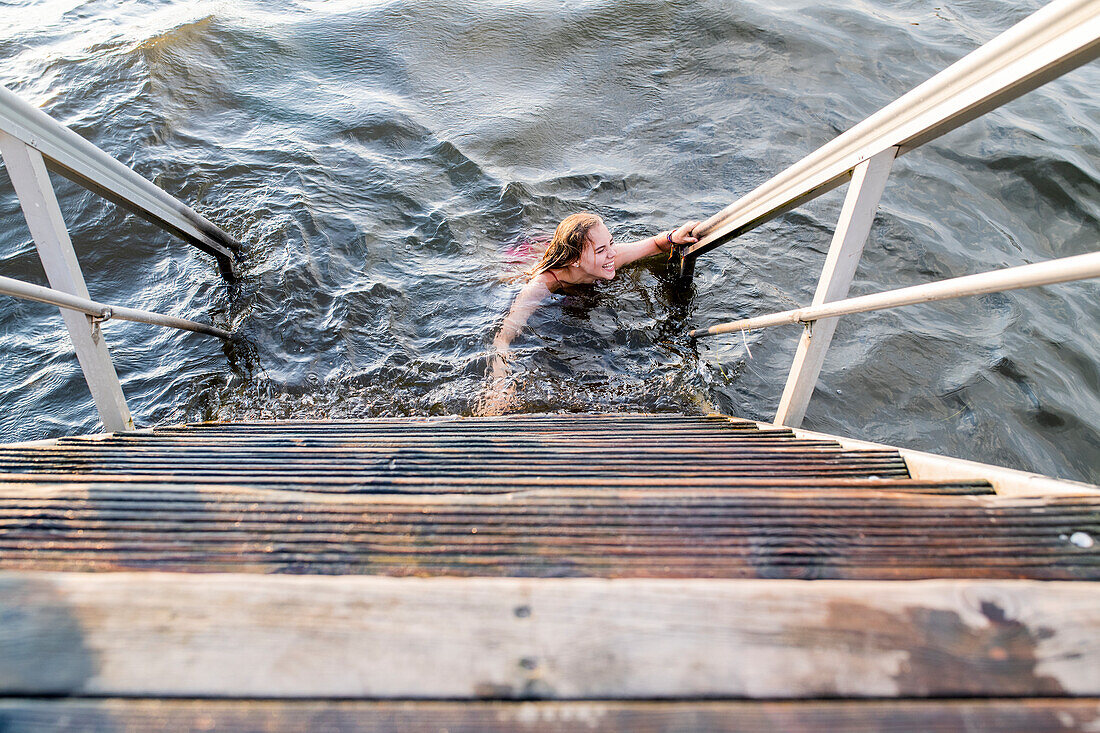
<point>657,240</point>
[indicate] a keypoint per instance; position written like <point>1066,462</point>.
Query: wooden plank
<point>840,532</point>
<point>274,716</point>
<point>155,634</point>
<point>457,481</point>
<point>36,490</point>
<point>426,479</point>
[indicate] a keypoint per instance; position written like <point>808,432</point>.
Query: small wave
<point>177,33</point>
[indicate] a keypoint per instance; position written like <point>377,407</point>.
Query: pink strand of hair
<point>522,254</point>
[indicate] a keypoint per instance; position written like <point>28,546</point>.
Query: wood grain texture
<point>154,634</point>
<point>894,716</point>
<point>420,454</point>
<point>838,529</point>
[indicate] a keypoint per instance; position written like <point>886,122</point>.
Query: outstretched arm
<point>529,299</point>
<point>631,251</point>
<point>498,395</point>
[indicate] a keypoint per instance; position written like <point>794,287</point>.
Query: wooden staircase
<point>543,573</point>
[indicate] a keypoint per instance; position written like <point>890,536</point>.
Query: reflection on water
<point>383,163</point>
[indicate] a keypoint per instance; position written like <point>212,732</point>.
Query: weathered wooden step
<point>855,532</point>
<point>434,454</point>
<point>461,484</point>
<point>178,635</point>
<point>643,560</point>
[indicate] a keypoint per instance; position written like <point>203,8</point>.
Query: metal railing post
<point>27,170</point>
<point>856,216</point>
<point>687,266</point>
<point>29,291</point>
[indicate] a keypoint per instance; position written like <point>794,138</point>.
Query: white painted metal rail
<point>82,162</point>
<point>101,312</point>
<point>1056,39</point>
<point>30,144</point>
<point>1066,269</point>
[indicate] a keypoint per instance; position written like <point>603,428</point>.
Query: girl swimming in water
<point>582,251</point>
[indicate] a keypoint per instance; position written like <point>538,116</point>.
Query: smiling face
<point>597,260</point>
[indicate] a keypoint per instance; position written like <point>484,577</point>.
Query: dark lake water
<point>384,161</point>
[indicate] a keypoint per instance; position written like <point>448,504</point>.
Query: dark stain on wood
<point>944,655</point>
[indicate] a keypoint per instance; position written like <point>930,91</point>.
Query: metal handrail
<point>31,144</point>
<point>1065,269</point>
<point>82,162</point>
<point>1043,46</point>
<point>1052,41</point>
<point>101,312</point>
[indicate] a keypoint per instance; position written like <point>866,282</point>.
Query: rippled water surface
<point>385,163</point>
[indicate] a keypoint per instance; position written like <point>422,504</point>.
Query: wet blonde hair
<point>568,242</point>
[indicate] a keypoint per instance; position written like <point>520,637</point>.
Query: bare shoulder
<point>541,284</point>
